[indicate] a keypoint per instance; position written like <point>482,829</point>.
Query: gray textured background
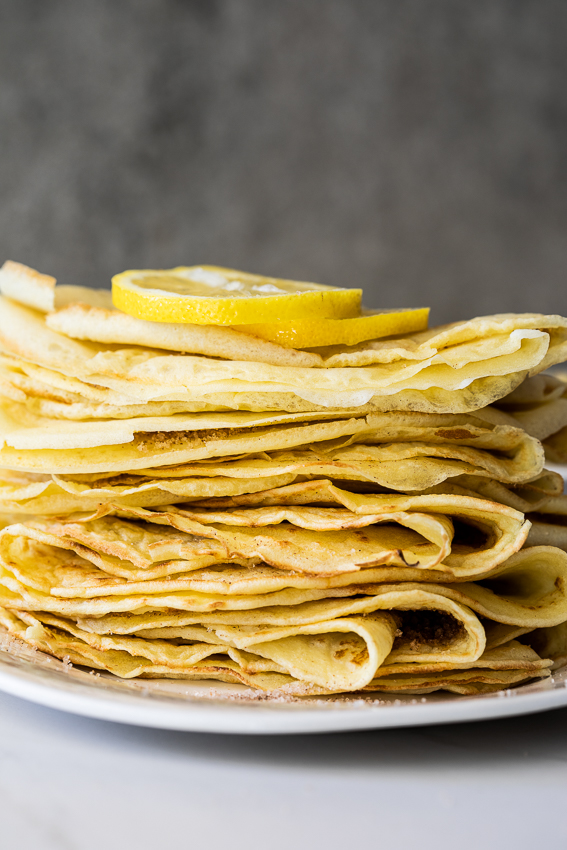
<point>415,147</point>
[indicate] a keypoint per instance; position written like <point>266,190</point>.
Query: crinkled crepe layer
<point>387,449</point>
<point>218,534</point>
<point>311,529</point>
<point>453,369</point>
<point>64,591</point>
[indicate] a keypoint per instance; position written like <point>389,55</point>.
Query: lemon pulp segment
<point>210,295</point>
<point>317,332</point>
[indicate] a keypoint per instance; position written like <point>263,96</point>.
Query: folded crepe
<point>528,496</point>
<point>110,566</point>
<point>456,368</point>
<point>496,669</point>
<point>203,594</point>
<point>541,500</point>
<point>450,536</point>
<point>210,505</point>
<point>400,634</point>
<point>49,394</point>
<point>433,536</point>
<point>539,406</point>
<point>330,657</point>
<point>453,535</point>
<point>397,446</point>
<point>551,642</point>
<point>433,454</point>
<point>549,523</point>
<point>85,314</point>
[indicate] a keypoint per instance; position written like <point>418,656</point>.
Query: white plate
<point>206,707</point>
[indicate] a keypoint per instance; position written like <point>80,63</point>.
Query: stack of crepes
<point>196,502</point>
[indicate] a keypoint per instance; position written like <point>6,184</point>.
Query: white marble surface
<point>67,783</point>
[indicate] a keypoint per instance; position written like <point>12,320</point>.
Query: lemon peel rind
<point>319,332</point>
<point>188,309</point>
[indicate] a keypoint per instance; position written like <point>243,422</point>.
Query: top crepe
<point>457,368</point>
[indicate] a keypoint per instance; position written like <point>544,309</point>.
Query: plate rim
<point>55,689</point>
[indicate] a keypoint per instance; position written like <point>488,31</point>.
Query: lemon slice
<point>210,295</point>
<point>315,332</point>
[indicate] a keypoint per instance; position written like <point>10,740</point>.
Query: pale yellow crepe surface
<point>477,362</point>
<point>217,534</point>
<point>443,445</point>
<point>272,643</point>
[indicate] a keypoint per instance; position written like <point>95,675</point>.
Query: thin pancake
<point>500,531</point>
<point>529,589</point>
<point>444,445</point>
<point>479,369</point>
<point>336,656</point>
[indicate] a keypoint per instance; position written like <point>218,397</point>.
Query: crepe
<point>102,325</point>
<point>87,314</point>
<point>556,446</point>
<point>84,322</point>
<point>336,655</point>
<point>50,394</point>
<point>417,533</point>
<point>301,631</point>
<point>204,504</point>
<point>110,565</point>
<point>441,445</point>
<point>454,535</point>
<point>78,448</point>
<point>44,495</point>
<point>344,640</point>
<point>550,529</point>
<point>539,406</point>
<point>542,501</point>
<point>495,670</point>
<point>328,658</point>
<point>551,642</point>
<point>39,291</point>
<point>407,465</point>
<point>458,368</point>
<point>325,645</point>
<point>531,495</point>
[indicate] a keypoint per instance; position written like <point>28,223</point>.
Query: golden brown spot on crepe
<point>455,434</point>
<point>361,657</point>
<point>340,653</point>
<point>164,440</point>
